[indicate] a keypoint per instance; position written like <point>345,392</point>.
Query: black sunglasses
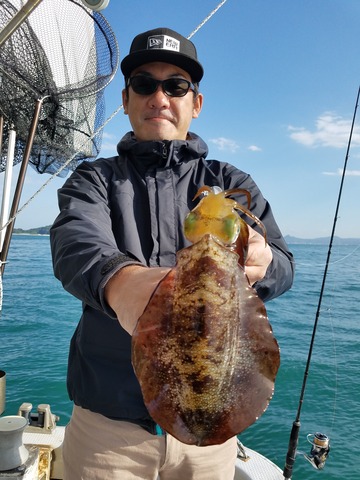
<point>173,87</point>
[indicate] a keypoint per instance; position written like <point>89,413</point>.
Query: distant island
<point>321,241</point>
<point>288,238</point>
<point>33,231</point>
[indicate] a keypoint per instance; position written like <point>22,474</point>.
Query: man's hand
<point>259,257</point>
<point>128,292</point>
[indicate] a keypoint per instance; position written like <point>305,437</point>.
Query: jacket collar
<point>162,154</point>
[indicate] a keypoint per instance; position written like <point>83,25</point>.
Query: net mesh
<point>66,55</point>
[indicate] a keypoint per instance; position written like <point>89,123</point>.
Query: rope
<point>57,173</point>
<point>206,19</point>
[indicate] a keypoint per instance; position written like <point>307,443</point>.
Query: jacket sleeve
<point>280,273</point>
<point>83,246</point>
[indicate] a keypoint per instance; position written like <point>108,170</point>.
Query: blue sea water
<point>39,317</point>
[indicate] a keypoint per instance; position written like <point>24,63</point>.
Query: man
<point>117,234</point>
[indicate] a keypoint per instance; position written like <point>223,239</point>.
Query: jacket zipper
<point>164,151</point>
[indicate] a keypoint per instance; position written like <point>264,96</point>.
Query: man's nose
<point>159,98</point>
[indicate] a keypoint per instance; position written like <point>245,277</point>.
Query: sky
<point>280,87</point>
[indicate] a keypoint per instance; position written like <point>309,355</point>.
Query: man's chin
<point>158,135</point>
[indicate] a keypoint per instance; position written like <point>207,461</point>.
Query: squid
<point>203,351</point>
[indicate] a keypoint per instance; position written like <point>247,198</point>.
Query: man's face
<point>158,116</point>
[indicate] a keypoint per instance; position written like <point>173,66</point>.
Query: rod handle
<point>291,453</point>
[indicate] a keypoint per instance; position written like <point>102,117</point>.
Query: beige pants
<point>97,448</point>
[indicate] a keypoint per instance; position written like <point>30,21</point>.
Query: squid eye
<point>190,221</point>
<point>231,228</point>
<point>191,218</point>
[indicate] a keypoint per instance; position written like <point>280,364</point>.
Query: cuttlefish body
<point>203,350</point>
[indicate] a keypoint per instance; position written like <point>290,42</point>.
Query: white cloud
<point>254,148</point>
<point>225,144</point>
<point>331,131</point>
<point>108,146</point>
<point>339,172</point>
<point>109,136</point>
<point>109,143</point>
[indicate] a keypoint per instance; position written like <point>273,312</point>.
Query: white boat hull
<point>257,467</point>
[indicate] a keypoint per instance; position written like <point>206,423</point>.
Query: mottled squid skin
<point>203,350</point>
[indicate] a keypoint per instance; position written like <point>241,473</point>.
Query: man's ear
<point>198,103</point>
<point>125,100</point>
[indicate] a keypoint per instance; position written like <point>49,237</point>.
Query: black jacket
<point>130,209</point>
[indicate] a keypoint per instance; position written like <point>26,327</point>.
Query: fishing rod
<point>321,445</point>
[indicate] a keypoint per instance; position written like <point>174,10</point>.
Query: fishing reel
<point>320,448</point>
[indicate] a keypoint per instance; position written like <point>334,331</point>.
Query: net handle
<point>17,20</point>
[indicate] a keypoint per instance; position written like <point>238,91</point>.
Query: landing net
<point>66,55</point>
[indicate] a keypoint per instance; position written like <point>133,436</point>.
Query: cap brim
<point>136,59</point>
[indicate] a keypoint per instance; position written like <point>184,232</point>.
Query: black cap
<point>163,45</point>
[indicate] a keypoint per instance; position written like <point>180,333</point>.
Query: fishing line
<point>333,262</point>
<point>346,256</point>
<point>329,310</point>
<point>294,436</point>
